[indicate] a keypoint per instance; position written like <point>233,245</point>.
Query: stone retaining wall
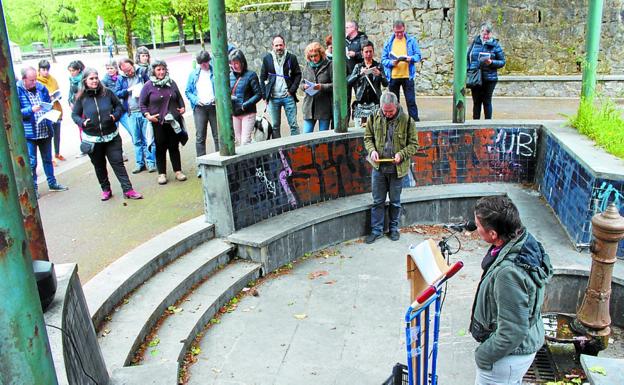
<point>538,37</point>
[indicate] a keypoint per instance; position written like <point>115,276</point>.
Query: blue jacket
<point>488,72</point>
<point>247,93</point>
<point>31,131</point>
<point>191,86</point>
<point>412,50</point>
<point>121,88</point>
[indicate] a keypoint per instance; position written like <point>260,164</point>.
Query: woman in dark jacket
<point>317,76</point>
<point>367,78</point>
<point>162,104</point>
<point>96,109</point>
<point>486,53</point>
<point>506,315</point>
<point>246,92</point>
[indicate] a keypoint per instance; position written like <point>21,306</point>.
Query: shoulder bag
<point>473,75</point>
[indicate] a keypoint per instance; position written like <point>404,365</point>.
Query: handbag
<point>473,75</point>
<point>86,147</point>
<point>473,78</point>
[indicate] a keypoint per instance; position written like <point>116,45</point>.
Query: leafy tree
<point>41,19</point>
<point>195,10</point>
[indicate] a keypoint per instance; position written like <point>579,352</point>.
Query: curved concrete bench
<point>111,285</point>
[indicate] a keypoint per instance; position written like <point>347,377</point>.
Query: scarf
<point>278,61</point>
<point>75,80</point>
<point>316,65</point>
<point>164,82</point>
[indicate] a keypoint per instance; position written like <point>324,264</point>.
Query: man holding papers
<point>280,77</point>
<point>51,85</point>
<point>390,139</point>
<point>33,96</point>
<point>399,58</point>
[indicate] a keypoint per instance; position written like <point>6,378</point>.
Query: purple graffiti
<point>283,177</point>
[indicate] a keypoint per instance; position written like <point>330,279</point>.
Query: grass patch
<point>602,122</point>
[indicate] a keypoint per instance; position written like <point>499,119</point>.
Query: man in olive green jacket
<point>390,139</point>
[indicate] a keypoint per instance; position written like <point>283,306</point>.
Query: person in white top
<point>200,93</point>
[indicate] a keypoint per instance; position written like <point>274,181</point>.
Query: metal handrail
<point>257,5</point>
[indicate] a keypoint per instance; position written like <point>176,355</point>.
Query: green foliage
<point>603,123</point>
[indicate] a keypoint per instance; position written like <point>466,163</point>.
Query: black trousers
<point>111,151</point>
<point>482,96</point>
<point>203,115</point>
<point>166,140</point>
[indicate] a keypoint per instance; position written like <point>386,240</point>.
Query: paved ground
<point>79,228</point>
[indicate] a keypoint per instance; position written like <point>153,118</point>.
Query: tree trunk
<point>115,40</point>
<point>162,31</point>
<point>194,33</point>
<point>180,19</point>
<point>128,30</point>
<point>201,31</point>
<point>50,45</point>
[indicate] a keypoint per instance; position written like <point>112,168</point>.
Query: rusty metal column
<point>12,119</point>
<point>221,68</point>
<point>25,357</point>
<point>339,65</point>
<point>460,38</point>
<point>608,230</point>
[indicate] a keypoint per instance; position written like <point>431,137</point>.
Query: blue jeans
<point>45,149</point>
<point>382,185</point>
<point>136,124</point>
<point>290,107</point>
<point>410,94</point>
<point>308,125</point>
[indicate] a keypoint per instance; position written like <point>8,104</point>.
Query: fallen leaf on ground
<point>599,370</point>
<point>316,274</point>
<point>301,316</point>
<point>331,282</point>
<point>461,332</point>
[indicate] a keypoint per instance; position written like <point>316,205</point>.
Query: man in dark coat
<point>280,84</point>
<point>354,42</point>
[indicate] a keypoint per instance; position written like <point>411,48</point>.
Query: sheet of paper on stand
<point>310,90</point>
<point>429,260</point>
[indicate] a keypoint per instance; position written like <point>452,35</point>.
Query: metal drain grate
<point>542,369</point>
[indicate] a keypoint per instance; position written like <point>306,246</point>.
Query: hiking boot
<point>58,187</point>
<point>131,194</point>
<point>137,169</point>
<point>106,195</point>
<point>162,179</point>
<point>371,238</point>
<point>180,177</point>
<point>394,235</point>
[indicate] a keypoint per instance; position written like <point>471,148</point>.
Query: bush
<point>601,122</point>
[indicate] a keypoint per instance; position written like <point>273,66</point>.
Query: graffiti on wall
<point>293,177</point>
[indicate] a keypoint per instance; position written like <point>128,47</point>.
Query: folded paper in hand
<point>136,90</point>
<point>484,56</point>
<point>310,90</point>
<point>51,115</point>
<point>394,56</point>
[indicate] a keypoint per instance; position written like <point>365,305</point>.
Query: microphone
<point>461,226</point>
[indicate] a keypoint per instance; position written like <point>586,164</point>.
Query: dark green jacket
<point>506,314</point>
<point>405,139</point>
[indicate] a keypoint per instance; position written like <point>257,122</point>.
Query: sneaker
<point>106,195</point>
<point>137,169</point>
<point>151,168</point>
<point>131,194</point>
<point>394,235</point>
<point>162,179</point>
<point>60,157</point>
<point>179,176</point>
<point>371,238</point>
<point>58,187</point>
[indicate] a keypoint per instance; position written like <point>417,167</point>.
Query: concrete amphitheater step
<point>125,328</point>
<point>177,332</point>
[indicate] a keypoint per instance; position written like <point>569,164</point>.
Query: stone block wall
<point>291,177</point>
<point>539,37</point>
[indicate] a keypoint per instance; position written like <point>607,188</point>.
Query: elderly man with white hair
<point>390,139</point>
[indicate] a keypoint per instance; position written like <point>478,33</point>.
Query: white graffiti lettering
<point>267,183</point>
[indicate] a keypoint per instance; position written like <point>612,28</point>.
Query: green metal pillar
<point>221,68</point>
<point>460,37</point>
<point>592,45</point>
<point>339,74</point>
<point>26,358</point>
<point>19,155</point>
